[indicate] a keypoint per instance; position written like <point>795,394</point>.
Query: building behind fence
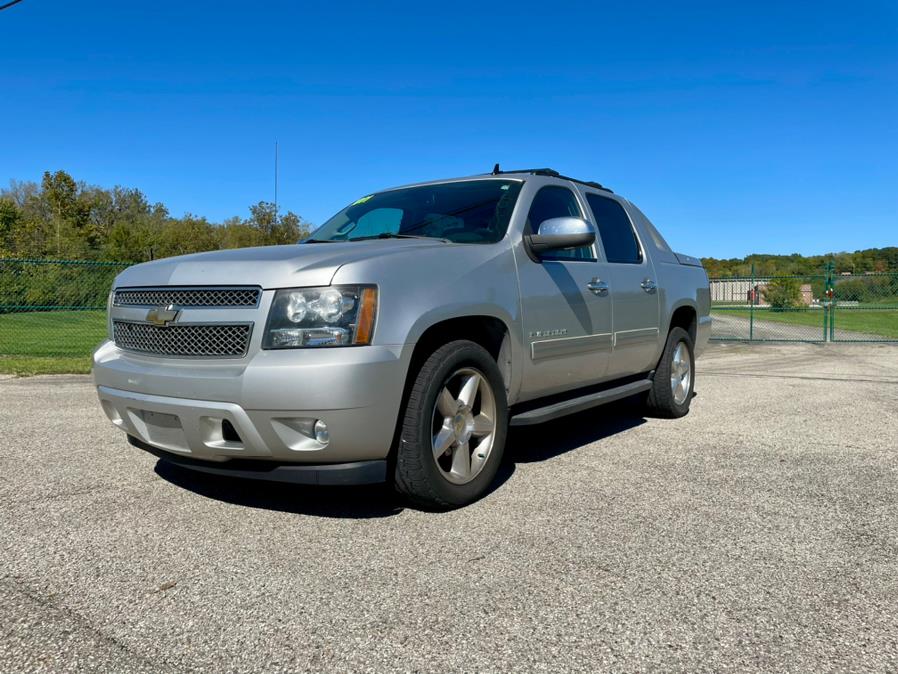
<point>52,308</point>
<point>826,307</point>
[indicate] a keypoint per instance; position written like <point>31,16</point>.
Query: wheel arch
<point>491,331</point>
<point>488,330</point>
<point>684,315</point>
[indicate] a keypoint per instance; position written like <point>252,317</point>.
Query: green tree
<point>276,229</point>
<point>235,233</point>
<point>9,220</point>
<point>783,293</point>
<point>70,213</point>
<point>858,262</point>
<point>190,234</point>
<point>61,217</point>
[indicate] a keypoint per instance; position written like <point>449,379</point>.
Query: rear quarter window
<point>615,230</point>
<point>646,224</point>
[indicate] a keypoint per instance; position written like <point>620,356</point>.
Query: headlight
<point>331,316</point>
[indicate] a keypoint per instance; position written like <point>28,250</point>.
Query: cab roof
<point>518,174</point>
<point>552,173</point>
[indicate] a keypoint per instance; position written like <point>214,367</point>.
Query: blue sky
<point>736,127</point>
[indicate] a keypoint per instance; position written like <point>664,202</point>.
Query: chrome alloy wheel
<point>464,425</point>
<point>680,373</point>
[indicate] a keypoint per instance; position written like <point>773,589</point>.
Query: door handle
<point>598,287</point>
<point>648,285</point>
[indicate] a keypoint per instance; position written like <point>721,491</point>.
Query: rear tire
<point>674,380</point>
<point>453,428</point>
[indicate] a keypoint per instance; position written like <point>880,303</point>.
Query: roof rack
<point>554,174</point>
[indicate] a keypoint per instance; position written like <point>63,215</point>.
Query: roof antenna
<point>275,181</point>
<point>496,170</point>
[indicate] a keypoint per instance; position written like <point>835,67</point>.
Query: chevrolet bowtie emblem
<point>163,315</point>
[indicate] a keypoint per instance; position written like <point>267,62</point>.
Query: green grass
<point>61,342</point>
<point>879,322</point>
<point>26,366</point>
<point>49,342</point>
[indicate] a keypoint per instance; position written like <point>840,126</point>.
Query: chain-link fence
<point>813,308</point>
<point>863,308</point>
<point>52,310</point>
<point>782,308</point>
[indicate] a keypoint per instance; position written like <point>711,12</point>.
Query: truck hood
<point>268,266</point>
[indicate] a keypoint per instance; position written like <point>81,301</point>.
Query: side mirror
<point>561,233</point>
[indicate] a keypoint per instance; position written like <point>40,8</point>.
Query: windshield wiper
<point>392,235</point>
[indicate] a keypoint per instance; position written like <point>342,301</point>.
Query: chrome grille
<point>221,340</point>
<point>187,297</point>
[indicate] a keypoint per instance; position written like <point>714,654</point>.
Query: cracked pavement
<point>759,532</point>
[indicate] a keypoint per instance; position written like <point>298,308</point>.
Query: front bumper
<point>260,409</point>
<point>357,472</point>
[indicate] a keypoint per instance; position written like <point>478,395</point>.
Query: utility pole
<point>275,181</point>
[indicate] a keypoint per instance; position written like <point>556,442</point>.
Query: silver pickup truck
<point>401,340</point>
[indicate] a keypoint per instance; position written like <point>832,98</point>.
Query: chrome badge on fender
<point>548,333</point>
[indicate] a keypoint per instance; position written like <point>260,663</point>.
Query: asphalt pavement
<point>760,532</point>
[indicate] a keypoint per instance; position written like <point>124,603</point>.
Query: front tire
<point>674,380</point>
<point>453,428</point>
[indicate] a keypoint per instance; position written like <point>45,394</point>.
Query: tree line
<point>858,262</point>
<point>63,218</point>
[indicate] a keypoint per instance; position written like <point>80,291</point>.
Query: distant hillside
<point>858,262</point>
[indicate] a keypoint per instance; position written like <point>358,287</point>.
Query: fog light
<point>321,434</point>
<point>111,412</point>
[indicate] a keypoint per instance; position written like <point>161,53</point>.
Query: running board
<point>560,409</point>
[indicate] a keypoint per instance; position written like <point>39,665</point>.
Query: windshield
<point>472,211</point>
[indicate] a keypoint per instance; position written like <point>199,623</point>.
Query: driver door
<point>567,326</point>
